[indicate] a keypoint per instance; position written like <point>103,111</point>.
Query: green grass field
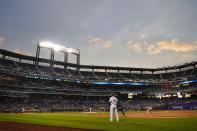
<point>92,121</point>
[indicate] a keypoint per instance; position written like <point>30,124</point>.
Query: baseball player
<point>121,108</point>
<point>113,107</point>
<point>149,109</point>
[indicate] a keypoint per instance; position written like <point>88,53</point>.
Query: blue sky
<point>133,33</point>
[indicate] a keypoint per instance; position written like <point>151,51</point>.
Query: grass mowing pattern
<point>82,120</point>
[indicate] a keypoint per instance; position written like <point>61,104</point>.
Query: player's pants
<point>113,108</point>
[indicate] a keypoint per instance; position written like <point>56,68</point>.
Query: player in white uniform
<point>113,108</point>
<point>149,109</point>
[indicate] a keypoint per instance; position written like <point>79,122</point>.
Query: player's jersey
<point>113,100</point>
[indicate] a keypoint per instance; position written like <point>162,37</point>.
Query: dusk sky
<point>131,33</point>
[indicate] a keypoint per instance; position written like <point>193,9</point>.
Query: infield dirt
<point>153,114</point>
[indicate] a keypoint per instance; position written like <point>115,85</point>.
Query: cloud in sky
<point>98,23</point>
<point>174,45</point>
<point>135,46</point>
<point>143,35</point>
<point>2,40</point>
<point>19,51</point>
<point>101,41</point>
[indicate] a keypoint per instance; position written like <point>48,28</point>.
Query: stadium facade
<point>30,83</point>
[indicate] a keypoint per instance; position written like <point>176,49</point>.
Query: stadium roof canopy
<point>34,59</point>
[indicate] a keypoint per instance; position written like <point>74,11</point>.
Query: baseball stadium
<point>45,94</point>
<point>98,65</point>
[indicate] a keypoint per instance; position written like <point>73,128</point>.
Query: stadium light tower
<point>38,50</point>
<point>57,48</point>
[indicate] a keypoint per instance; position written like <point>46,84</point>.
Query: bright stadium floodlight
<point>51,45</point>
<point>56,47</point>
<point>71,50</point>
<point>46,44</point>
